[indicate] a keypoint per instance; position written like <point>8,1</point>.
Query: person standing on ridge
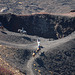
<point>38,42</point>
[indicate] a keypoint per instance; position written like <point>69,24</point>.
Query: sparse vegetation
<point>4,71</point>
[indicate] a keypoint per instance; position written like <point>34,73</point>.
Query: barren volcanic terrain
<point>52,23</point>
<point>34,6</point>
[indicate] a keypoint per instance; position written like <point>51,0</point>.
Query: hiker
<point>22,31</point>
<point>34,53</point>
<point>38,42</point>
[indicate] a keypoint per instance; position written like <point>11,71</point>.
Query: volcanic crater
<point>43,25</point>
<point>57,38</point>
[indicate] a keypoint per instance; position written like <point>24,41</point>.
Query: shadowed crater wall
<point>44,25</point>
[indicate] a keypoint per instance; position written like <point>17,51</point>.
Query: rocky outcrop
<point>43,25</point>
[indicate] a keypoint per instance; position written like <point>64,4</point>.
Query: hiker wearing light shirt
<point>38,42</point>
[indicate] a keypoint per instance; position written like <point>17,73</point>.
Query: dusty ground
<point>56,57</point>
<point>7,66</point>
<point>20,55</point>
<point>32,6</point>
